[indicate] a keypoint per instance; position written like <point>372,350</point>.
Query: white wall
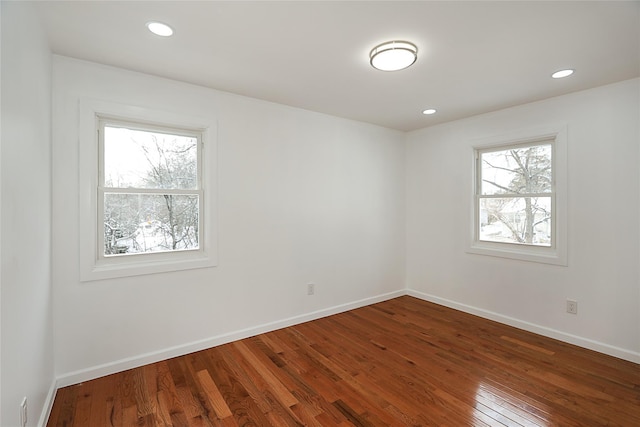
<point>603,234</point>
<point>27,348</point>
<point>302,197</point>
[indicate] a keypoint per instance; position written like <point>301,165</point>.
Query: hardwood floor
<point>403,362</point>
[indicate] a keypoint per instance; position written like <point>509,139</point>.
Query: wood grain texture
<point>403,362</point>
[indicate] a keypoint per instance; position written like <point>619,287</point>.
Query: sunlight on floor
<point>500,406</point>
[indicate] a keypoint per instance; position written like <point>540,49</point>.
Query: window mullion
<point>514,195</point>
<point>119,190</point>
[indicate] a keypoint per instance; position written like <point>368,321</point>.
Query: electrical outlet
<point>311,288</point>
<point>23,412</point>
<point>572,306</point>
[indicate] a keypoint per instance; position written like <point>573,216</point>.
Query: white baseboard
<point>143,359</point>
<point>156,356</point>
<point>531,327</point>
<point>48,404</point>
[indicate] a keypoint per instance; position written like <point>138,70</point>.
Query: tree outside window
<point>151,195</point>
<point>516,194</point>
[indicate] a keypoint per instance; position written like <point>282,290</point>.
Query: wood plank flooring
<point>403,362</point>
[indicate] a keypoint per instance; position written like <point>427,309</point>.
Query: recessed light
<point>429,111</point>
<point>393,55</point>
<point>160,29</point>
<point>562,73</point>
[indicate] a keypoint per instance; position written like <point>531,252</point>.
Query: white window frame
<point>557,252</point>
<point>103,122</point>
<point>93,264</point>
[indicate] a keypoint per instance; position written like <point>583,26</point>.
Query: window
<point>515,195</point>
<point>147,199</point>
<point>519,202</point>
<point>149,188</point>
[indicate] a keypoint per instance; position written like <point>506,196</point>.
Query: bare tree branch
<point>498,185</point>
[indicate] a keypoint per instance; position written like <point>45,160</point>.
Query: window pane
<point>523,170</point>
<point>524,220</point>
<point>143,159</point>
<point>139,223</point>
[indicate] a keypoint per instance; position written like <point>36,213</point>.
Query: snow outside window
<point>150,189</point>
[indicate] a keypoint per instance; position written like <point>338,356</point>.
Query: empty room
<point>319,213</point>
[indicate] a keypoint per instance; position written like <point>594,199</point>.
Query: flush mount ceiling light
<point>160,29</point>
<point>393,56</point>
<point>429,111</point>
<point>562,73</point>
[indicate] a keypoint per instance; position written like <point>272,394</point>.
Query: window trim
<point>555,254</point>
<point>103,122</point>
<point>93,266</point>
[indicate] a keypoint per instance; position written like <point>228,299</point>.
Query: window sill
<point>152,263</point>
<point>537,254</point>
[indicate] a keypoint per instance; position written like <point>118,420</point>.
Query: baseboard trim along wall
<point>144,359</point>
<point>48,404</point>
<point>134,362</point>
<point>531,327</point>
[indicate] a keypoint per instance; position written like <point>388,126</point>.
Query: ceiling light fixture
<point>160,29</point>
<point>429,111</point>
<point>562,73</point>
<point>393,56</point>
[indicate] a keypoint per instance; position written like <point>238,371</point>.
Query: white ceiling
<point>474,57</point>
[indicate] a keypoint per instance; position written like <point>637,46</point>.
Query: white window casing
<point>94,265</point>
<point>554,252</point>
